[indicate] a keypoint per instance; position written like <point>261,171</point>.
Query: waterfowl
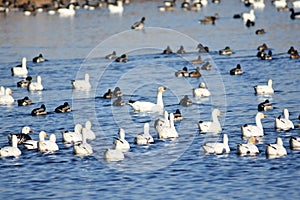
<point>72,136</point>
<point>177,115</point>
<point>276,150</point>
<point>82,84</point>
<point>11,151</point>
<point>108,94</point>
<point>249,16</point>
<point>186,101</point>
<point>265,56</point>
<point>236,71</point>
<point>264,89</point>
<point>39,59</point>
<point>47,145</point>
<point>111,56</point>
<point>217,147</point>
<point>119,102</point>
<point>166,8</point>
<point>206,66</point>
<point>258,4</point>
<point>113,155</point>
<point>65,12</point>
<point>36,86</point>
<point>262,47</point>
<point>6,98</point>
<point>139,25</point>
<point>143,106</point>
<point>39,111</point>
<point>254,130</point>
<point>116,8</point>
<point>294,143</point>
<point>182,73</point>
<point>249,23</point>
<point>209,19</point>
<point>167,50</point>
<point>264,106</point>
<point>249,148</point>
<point>296,4</point>
<point>201,91</point>
<point>284,123</point>
<point>123,58</point>
<point>121,143</point>
<point>145,138</point>
<point>202,49</point>
<point>165,130</point>
<point>63,108</point>
<point>82,148</point>
<point>181,50</point>
<point>279,3</point>
<point>24,102</point>
<point>226,51</point>
<point>20,70</point>
<point>24,83</point>
<point>294,55</point>
<point>89,133</point>
<point>213,126</point>
<point>21,137</point>
<point>197,61</point>
<point>260,31</point>
<point>195,74</point>
<point>162,123</point>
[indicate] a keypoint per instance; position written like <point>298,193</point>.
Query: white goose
<point>82,148</point>
<point>121,143</point>
<point>254,130</point>
<point>213,126</point>
<point>11,151</point>
<point>145,138</point>
<point>162,122</point>
<point>279,3</point>
<point>113,155</point>
<point>72,137</point>
<point>36,86</point>
<point>284,123</point>
<point>82,84</point>
<point>6,98</point>
<point>116,7</point>
<point>47,145</point>
<point>249,148</point>
<point>20,70</point>
<point>264,89</point>
<point>294,143</point>
<point>167,131</point>
<point>202,91</point>
<point>276,150</point>
<point>217,147</point>
<point>249,16</point>
<point>260,4</point>
<point>89,134</point>
<point>144,106</point>
<point>64,12</point>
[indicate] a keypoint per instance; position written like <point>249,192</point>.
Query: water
<point>167,169</point>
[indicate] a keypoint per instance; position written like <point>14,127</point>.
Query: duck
<point>63,108</point>
<point>47,145</point>
<point>139,25</point>
<point>195,74</point>
<point>186,101</point>
<point>121,143</point>
<point>260,31</point>
<point>264,89</point>
<point>276,150</point>
<point>39,59</point>
<point>20,70</point>
<point>116,8</point>
<point>206,66</point>
<point>249,23</point>
<point>177,115</point>
<point>111,56</point>
<point>82,148</point>
<point>21,137</point>
<point>264,106</point>
<point>294,15</point>
<point>262,47</point>
<point>166,131</point>
<point>24,83</point>
<point>24,102</point>
<point>291,50</point>
<point>82,84</point>
<point>11,151</point>
<point>89,133</point>
<point>249,16</point>
<point>249,147</point>
<point>201,91</point>
<point>168,50</point>
<point>202,49</point>
<point>113,155</point>
<point>6,98</point>
<point>197,61</point>
<point>119,102</point>
<point>284,123</point>
<point>265,56</point>
<point>182,73</point>
<point>294,55</point>
<point>36,86</point>
<point>194,7</point>
<point>143,106</point>
<point>166,8</point>
<point>226,51</point>
<point>213,126</point>
<point>254,130</point>
<point>208,20</point>
<point>72,136</point>
<point>181,50</point>
<point>108,94</point>
<point>112,94</point>
<point>145,138</point>
<point>39,111</point>
<point>123,58</point>
<point>217,147</point>
<point>236,71</point>
<point>294,143</point>
<point>65,12</point>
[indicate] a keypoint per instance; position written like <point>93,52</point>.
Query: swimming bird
<point>5,97</point>
<point>181,50</point>
<point>39,59</point>
<point>249,147</point>
<point>113,155</point>
<point>24,102</point>
<point>72,136</point>
<point>82,84</point>
<point>276,150</point>
<point>249,16</point>
<point>284,123</point>
<point>65,12</point>
<point>254,130</point>
<point>168,50</point>
<point>36,86</point>
<point>21,137</point>
<point>47,145</point>
<point>116,8</point>
<point>143,106</point>
<point>209,19</point>
<point>182,73</point>
<point>63,108</point>
<point>226,51</point>
<point>24,83</point>
<point>145,138</point>
<point>197,61</point>
<point>121,143</point>
<point>249,23</point>
<point>265,56</point>
<point>294,15</point>
<point>39,111</point>
<point>217,147</point>
<point>201,91</point>
<point>262,47</point>
<point>279,3</point>
<point>139,25</point>
<point>260,31</point>
<point>186,101</point>
<point>82,148</point>
<point>11,151</point>
<point>236,71</point>
<point>264,89</point>
<point>294,55</point>
<point>161,123</point>
<point>20,70</point>
<point>294,143</point>
<point>89,133</point>
<point>195,74</point>
<point>177,115</point>
<point>202,49</point>
<point>260,4</point>
<point>165,130</point>
<point>264,106</point>
<point>206,66</point>
<point>111,56</point>
<point>119,102</point>
<point>123,58</point>
<point>213,126</point>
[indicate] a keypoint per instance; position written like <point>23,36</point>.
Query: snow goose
<point>24,102</point>
<point>296,4</point>
<point>20,70</point>
<point>121,143</point>
<point>63,108</point>
<point>6,98</point>
<point>264,106</point>
<point>21,137</point>
<point>279,3</point>
<point>47,145</point>
<point>249,16</point>
<point>39,59</point>
<point>284,123</point>
<point>276,150</point>
<point>82,84</point>
<point>248,148</point>
<point>113,155</point>
<point>72,137</point>
<point>139,25</point>
<point>36,86</point>
<point>264,89</point>
<point>202,91</point>
<point>166,130</point>
<point>11,151</point>
<point>294,143</point>
<point>213,126</point>
<point>24,83</point>
<point>143,106</point>
<point>217,147</point>
<point>260,4</point>
<point>254,130</point>
<point>236,71</point>
<point>145,138</point>
<point>89,134</point>
<point>82,148</point>
<point>116,7</point>
<point>64,12</point>
<point>162,122</point>
<point>39,111</point>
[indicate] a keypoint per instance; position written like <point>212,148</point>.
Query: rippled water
<point>167,169</point>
